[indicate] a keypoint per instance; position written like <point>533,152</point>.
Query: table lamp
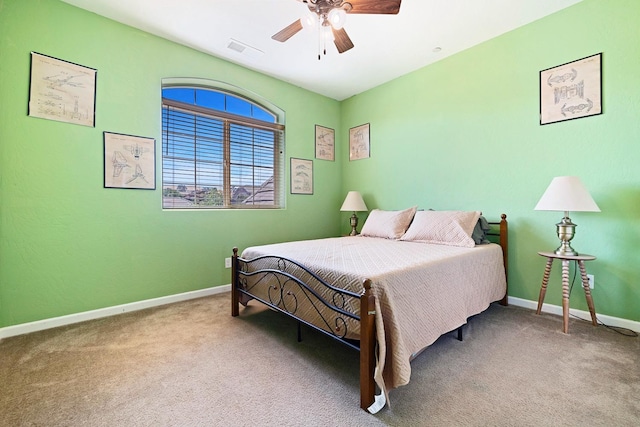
<point>564,194</point>
<point>353,203</point>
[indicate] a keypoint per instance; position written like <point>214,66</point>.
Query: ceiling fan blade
<point>341,39</point>
<point>388,7</point>
<point>287,32</point>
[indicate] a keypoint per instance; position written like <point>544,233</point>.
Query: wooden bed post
<point>235,300</point>
<point>367,346</point>
<point>504,243</point>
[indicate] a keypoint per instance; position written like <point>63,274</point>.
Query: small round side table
<point>565,284</point>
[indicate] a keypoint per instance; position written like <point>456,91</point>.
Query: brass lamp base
<point>566,231</point>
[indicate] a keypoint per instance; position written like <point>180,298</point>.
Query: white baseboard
<point>54,322</point>
<point>556,309</point>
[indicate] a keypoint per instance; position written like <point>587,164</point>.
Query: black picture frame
<point>129,161</point>
<point>62,91</point>
<point>572,90</point>
<point>360,142</point>
<point>325,143</point>
<point>301,176</point>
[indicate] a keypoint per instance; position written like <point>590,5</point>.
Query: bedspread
<point>422,290</point>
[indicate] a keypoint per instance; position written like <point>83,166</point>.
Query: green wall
<point>68,245</point>
<point>464,133</point>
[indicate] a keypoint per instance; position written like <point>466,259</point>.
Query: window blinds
<point>219,160</point>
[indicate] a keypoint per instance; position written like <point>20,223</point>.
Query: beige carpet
<point>192,364</point>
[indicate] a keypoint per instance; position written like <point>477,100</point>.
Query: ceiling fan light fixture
<point>327,33</point>
<point>337,17</point>
<point>328,17</point>
<point>309,21</point>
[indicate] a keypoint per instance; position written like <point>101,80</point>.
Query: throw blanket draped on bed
<point>422,290</point>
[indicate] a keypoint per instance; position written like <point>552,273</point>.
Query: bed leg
<point>299,332</point>
<point>460,333</point>
<point>367,346</point>
<point>504,243</point>
<point>235,300</point>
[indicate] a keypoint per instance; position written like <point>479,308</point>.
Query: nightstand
<point>581,259</point>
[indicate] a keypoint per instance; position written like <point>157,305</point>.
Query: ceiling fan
<point>329,16</point>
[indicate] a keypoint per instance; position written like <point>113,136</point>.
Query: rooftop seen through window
<point>219,150</point>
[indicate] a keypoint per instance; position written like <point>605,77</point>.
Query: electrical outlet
<point>227,263</point>
<point>592,280</point>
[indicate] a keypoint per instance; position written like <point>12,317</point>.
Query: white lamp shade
<point>567,193</point>
<point>353,203</point>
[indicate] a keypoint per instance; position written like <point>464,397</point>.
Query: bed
<point>408,278</point>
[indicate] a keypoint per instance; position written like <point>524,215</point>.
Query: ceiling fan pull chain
<point>324,44</point>
<point>319,44</point>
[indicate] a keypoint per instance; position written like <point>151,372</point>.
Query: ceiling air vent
<point>244,49</point>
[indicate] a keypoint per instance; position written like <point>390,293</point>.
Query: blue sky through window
<point>218,101</point>
<point>204,151</point>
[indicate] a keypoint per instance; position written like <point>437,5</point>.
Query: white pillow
<point>443,227</point>
<point>388,224</point>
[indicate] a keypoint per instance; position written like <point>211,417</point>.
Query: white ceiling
<point>386,46</point>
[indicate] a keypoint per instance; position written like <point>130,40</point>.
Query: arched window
<point>220,150</point>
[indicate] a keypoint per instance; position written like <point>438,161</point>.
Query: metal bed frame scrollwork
<point>291,285</point>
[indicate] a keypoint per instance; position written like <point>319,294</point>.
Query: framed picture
<point>129,161</point>
<point>325,143</point>
<point>301,176</point>
<point>62,91</point>
<point>359,147</point>
<point>572,90</point>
